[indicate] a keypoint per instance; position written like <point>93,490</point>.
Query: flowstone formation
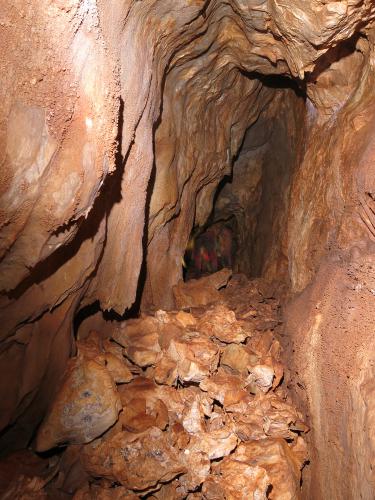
<point>181,404</point>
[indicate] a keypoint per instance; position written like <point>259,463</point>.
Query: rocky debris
<point>105,353</point>
<point>233,479</point>
<point>140,340</point>
<point>278,460</point>
<point>97,492</point>
<point>220,322</point>
<point>72,233</point>
<point>85,407</point>
<point>202,291</point>
<point>24,475</point>
<point>204,414</point>
<point>138,461</point>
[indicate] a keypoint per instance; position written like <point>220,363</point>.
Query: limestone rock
<point>198,466</point>
<point>238,358</point>
<point>120,373</point>
<point>137,461</point>
<point>200,292</point>
<point>166,371</point>
<point>262,376</point>
<point>140,339</point>
<point>267,415</point>
<point>226,388</point>
<point>216,444</point>
<point>105,353</point>
<point>86,406</point>
<point>97,492</point>
<point>140,415</point>
<point>196,357</point>
<point>275,457</point>
<point>233,479</point>
<point>220,322</point>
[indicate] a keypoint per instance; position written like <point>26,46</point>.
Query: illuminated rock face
<point>119,120</point>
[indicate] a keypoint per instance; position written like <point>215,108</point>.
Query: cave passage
<point>244,230</point>
<point>211,250</point>
<point>187,249</point>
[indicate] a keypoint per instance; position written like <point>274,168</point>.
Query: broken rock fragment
<point>137,461</point>
<point>220,322</point>
<point>117,368</point>
<point>262,376</point>
<point>238,358</point>
<point>198,465</point>
<point>196,357</point>
<point>140,339</point>
<point>141,414</point>
<point>166,371</point>
<point>202,291</point>
<point>105,353</point>
<point>216,444</point>
<point>281,465</point>
<point>226,388</point>
<point>235,480</point>
<point>85,407</point>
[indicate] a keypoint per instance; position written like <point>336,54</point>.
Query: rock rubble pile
<point>182,404</point>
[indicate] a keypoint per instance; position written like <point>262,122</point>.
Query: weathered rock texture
<point>118,121</point>
<point>210,416</point>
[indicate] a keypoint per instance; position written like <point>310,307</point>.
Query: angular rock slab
<point>136,461</point>
<point>85,407</point>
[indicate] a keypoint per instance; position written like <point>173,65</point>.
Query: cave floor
<point>190,403</point>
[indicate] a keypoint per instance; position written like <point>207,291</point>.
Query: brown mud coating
<point>180,404</point>
<point>127,127</point>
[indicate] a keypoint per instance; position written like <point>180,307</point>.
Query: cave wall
<point>101,101</point>
<point>330,324</point>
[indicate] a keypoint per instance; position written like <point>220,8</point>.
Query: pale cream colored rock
<point>198,465</point>
<point>216,444</point>
<point>262,376</point>
<point>196,357</point>
<point>193,418</point>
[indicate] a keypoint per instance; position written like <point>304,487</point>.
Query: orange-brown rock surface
<point>210,429</point>
<point>86,406</point>
<point>119,120</point>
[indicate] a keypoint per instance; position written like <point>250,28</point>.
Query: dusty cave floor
<point>172,405</point>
